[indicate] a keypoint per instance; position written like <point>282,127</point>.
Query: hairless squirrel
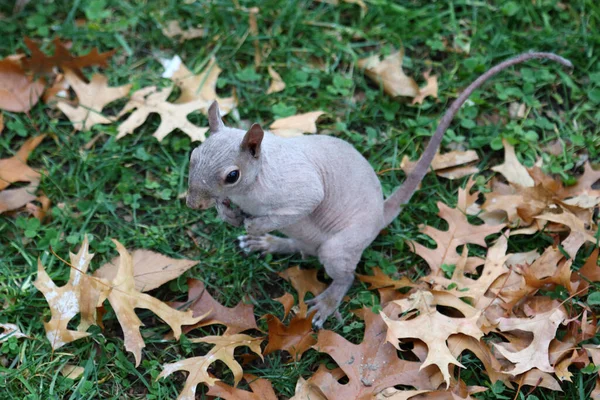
<point>319,191</point>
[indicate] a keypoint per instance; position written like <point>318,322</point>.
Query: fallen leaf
<point>198,366</point>
<point>590,269</point>
<point>13,199</point>
<point>277,84</point>
<point>430,88</point>
<point>537,378</point>
<point>124,299</point>
<point>512,169</point>
<point>535,355</point>
<point>150,269</point>
<point>464,285</point>
<point>395,394</point>
<point>200,89</point>
<point>173,116</point>
<point>237,319</point>
<point>380,280</point>
<point>92,98</point>
<point>571,221</point>
<point>307,391</point>
<point>449,165</point>
<point>81,294</point>
<point>72,371</point>
<point>261,390</point>
<point>10,330</point>
<point>370,366</point>
<point>18,92</point>
<point>295,338</point>
<point>287,301</point>
<point>173,29</point>
<point>586,183</point>
<point>516,110</point>
<point>15,168</point>
<point>434,329</point>
<point>388,72</point>
<point>296,125</point>
<point>84,293</point>
<point>304,281</point>
<point>41,64</point>
<point>459,232</point>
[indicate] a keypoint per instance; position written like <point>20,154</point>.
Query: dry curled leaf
<point>296,125</point>
<point>15,168</point>
<point>304,281</point>
<point>543,327</point>
<point>173,116</point>
<point>434,329</point>
<point>18,91</point>
<point>277,84</point>
<point>92,98</point>
<point>72,371</point>
<point>388,72</point>
<point>237,319</point>
<point>198,366</point>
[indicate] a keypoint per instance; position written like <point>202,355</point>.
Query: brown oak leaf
<point>18,91</point>
<point>237,319</point>
<point>277,84</point>
<point>512,169</point>
<point>370,366</point>
<point>40,63</point>
<point>15,168</point>
<point>295,338</point>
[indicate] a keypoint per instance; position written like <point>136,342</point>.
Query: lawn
<point>133,189</point>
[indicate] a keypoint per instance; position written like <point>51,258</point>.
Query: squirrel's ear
<point>214,118</point>
<point>252,140</point>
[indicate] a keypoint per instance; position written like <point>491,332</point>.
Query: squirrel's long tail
<point>394,203</point>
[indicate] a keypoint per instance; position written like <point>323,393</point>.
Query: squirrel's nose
<point>198,203</point>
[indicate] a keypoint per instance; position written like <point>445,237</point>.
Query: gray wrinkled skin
<point>317,190</point>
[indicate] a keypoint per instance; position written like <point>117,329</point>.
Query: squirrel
<point>318,191</point>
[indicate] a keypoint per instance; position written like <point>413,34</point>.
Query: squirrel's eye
<point>233,176</point>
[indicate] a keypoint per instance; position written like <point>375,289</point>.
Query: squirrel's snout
<point>198,203</point>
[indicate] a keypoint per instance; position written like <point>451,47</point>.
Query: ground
<point>129,190</point>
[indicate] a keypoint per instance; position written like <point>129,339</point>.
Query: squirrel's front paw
<point>255,226</point>
<point>228,214</point>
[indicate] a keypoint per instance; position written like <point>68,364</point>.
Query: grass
<point>129,189</point>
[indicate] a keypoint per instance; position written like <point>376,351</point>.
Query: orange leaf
<point>18,92</point>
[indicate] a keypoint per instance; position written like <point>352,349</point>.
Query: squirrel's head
<point>227,163</point>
